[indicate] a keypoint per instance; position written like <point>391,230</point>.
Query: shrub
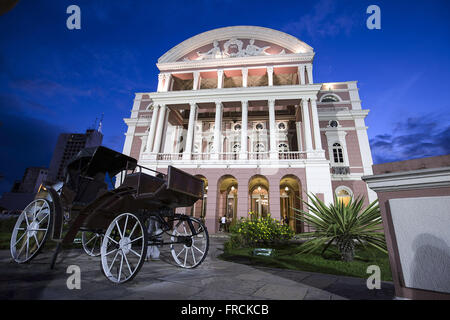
<point>253,231</point>
<point>343,224</point>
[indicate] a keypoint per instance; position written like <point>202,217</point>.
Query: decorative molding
<point>409,180</point>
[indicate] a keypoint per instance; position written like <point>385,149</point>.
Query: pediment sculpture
<point>233,48</point>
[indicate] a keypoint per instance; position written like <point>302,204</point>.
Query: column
<point>190,133</point>
<point>309,71</point>
<point>315,121</point>
<point>196,80</point>
<point>243,154</point>
<point>160,82</point>
<point>244,77</point>
<point>298,130</point>
<point>167,77</point>
<point>219,79</point>
<point>151,133</point>
<point>270,75</point>
<point>217,131</point>
<point>272,126</point>
<point>159,130</point>
<point>301,72</point>
<point>306,125</point>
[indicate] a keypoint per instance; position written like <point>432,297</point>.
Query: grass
<point>286,257</point>
<point>6,227</point>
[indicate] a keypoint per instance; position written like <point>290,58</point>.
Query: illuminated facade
<point>238,107</point>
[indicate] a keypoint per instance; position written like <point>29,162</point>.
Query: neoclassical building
<point>238,106</point>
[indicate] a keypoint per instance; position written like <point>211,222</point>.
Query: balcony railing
<point>291,155</point>
<point>231,156</point>
<point>340,170</point>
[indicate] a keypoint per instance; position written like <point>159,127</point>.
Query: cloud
<point>414,137</point>
<point>323,20</point>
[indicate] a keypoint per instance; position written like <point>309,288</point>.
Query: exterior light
<point>232,188</point>
<point>259,188</point>
<point>287,189</point>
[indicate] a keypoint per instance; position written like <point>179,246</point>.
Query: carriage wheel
<point>123,248</point>
<point>92,242</point>
<point>31,230</point>
<point>195,247</point>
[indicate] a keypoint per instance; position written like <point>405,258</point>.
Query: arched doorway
<point>258,189</point>
<point>198,210</point>
<point>290,198</point>
<point>227,199</point>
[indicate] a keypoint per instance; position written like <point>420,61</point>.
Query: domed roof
<point>237,41</point>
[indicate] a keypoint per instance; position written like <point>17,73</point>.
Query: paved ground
<point>214,279</point>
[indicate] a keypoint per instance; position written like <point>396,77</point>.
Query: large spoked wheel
<point>92,242</point>
<point>31,230</point>
<point>192,248</point>
<point>124,248</point>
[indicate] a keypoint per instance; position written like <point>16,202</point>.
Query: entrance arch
<point>198,210</point>
<point>258,192</point>
<point>227,194</point>
<point>290,198</point>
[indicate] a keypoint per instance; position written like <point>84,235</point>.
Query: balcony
<point>231,156</point>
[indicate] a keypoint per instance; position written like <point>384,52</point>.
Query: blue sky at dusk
<point>55,80</point>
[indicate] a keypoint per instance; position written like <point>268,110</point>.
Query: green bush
<point>255,231</point>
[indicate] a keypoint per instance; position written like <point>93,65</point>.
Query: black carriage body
<point>141,190</point>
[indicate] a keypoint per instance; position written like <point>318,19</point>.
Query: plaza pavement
<point>214,279</point>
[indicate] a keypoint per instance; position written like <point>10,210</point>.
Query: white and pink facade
<point>238,107</point>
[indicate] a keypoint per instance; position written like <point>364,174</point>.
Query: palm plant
<point>343,224</point>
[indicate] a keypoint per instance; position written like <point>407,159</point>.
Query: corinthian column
<point>217,131</point>
<point>151,133</point>
<point>270,75</point>
<point>306,125</point>
<point>243,153</point>
<point>190,133</point>
<point>272,129</point>
<point>159,130</point>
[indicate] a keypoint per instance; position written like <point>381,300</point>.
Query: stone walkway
<point>213,280</point>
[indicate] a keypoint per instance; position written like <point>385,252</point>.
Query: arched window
<point>338,155</point>
<point>259,147</point>
<point>344,194</point>
<point>329,98</point>
<point>283,147</point>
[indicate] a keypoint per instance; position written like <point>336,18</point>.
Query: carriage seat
<point>147,183</point>
<point>90,189</point>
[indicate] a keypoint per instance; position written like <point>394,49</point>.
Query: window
<point>259,147</point>
<point>337,153</point>
<point>237,127</point>
<point>283,147</point>
<point>259,126</point>
<point>329,98</point>
<point>236,148</point>
<point>343,194</point>
<point>281,126</point>
<point>333,124</point>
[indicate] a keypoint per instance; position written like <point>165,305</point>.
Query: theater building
<point>238,107</point>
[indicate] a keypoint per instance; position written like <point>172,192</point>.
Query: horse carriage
<point>119,224</point>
